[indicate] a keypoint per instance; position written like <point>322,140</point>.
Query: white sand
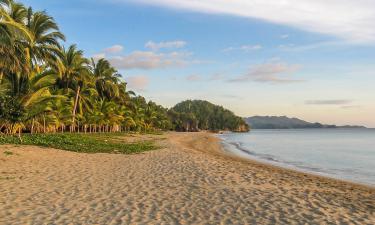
<point>190,181</point>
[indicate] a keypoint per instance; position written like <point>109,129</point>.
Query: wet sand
<point>189,181</point>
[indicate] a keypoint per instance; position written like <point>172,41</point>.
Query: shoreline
<point>188,181</point>
<point>234,156</point>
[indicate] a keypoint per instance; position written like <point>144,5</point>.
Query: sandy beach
<point>190,180</point>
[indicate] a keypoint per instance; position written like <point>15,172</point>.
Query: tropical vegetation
<point>83,143</point>
<point>194,115</point>
<point>46,87</point>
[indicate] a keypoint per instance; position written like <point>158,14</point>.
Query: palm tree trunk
<point>19,134</point>
<point>75,106</point>
<point>32,126</point>
<point>44,123</point>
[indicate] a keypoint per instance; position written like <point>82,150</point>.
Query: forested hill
<point>194,115</point>
<point>283,122</point>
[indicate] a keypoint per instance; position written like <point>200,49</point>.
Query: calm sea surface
<point>347,154</point>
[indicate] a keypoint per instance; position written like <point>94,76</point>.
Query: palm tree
<point>29,40</point>
<point>73,72</point>
<point>106,79</point>
<point>44,46</point>
<point>45,87</point>
<point>30,94</point>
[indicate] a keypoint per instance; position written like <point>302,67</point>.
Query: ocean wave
<point>312,153</point>
<point>276,160</point>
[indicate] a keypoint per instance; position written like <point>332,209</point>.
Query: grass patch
<point>8,153</point>
<point>85,143</point>
<point>7,178</point>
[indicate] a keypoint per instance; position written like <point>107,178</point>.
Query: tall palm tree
<point>45,87</point>
<point>73,72</point>
<point>107,79</point>
<point>44,46</point>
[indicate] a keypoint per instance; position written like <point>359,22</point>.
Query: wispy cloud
<point>193,77</point>
<point>168,44</point>
<point>114,49</point>
<point>138,83</point>
<point>284,36</point>
<point>273,72</point>
<point>245,48</point>
<point>329,102</point>
<point>150,60</point>
<point>318,45</point>
<point>348,19</point>
<point>351,106</point>
<point>217,76</point>
<point>99,56</point>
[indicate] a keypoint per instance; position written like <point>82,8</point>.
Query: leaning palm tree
<point>72,71</point>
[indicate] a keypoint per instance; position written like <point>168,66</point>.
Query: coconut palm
<point>45,87</point>
<point>107,79</point>
<point>73,72</point>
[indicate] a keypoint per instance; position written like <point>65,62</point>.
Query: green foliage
<point>48,88</point>
<point>11,110</point>
<point>82,143</point>
<point>7,153</point>
<point>45,87</point>
<point>203,115</point>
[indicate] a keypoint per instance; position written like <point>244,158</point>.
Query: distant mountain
<point>283,122</point>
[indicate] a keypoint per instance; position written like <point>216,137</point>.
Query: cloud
<point>347,19</point>
<point>114,49</point>
<point>193,77</point>
<point>170,44</point>
<point>138,83</point>
<point>110,50</point>
<point>245,48</point>
<point>99,56</point>
<point>150,60</point>
<point>272,72</point>
<point>351,106</point>
<point>217,76</point>
<point>284,36</point>
<point>329,102</point>
<point>318,45</point>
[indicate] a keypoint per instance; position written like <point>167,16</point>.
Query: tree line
<point>46,87</point>
<point>195,115</point>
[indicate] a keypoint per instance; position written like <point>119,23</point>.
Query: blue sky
<point>309,59</point>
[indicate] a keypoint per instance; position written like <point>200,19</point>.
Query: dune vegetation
<point>83,143</point>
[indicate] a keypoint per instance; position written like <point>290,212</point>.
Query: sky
<point>314,60</point>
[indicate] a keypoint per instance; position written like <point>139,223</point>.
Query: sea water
<point>347,154</point>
